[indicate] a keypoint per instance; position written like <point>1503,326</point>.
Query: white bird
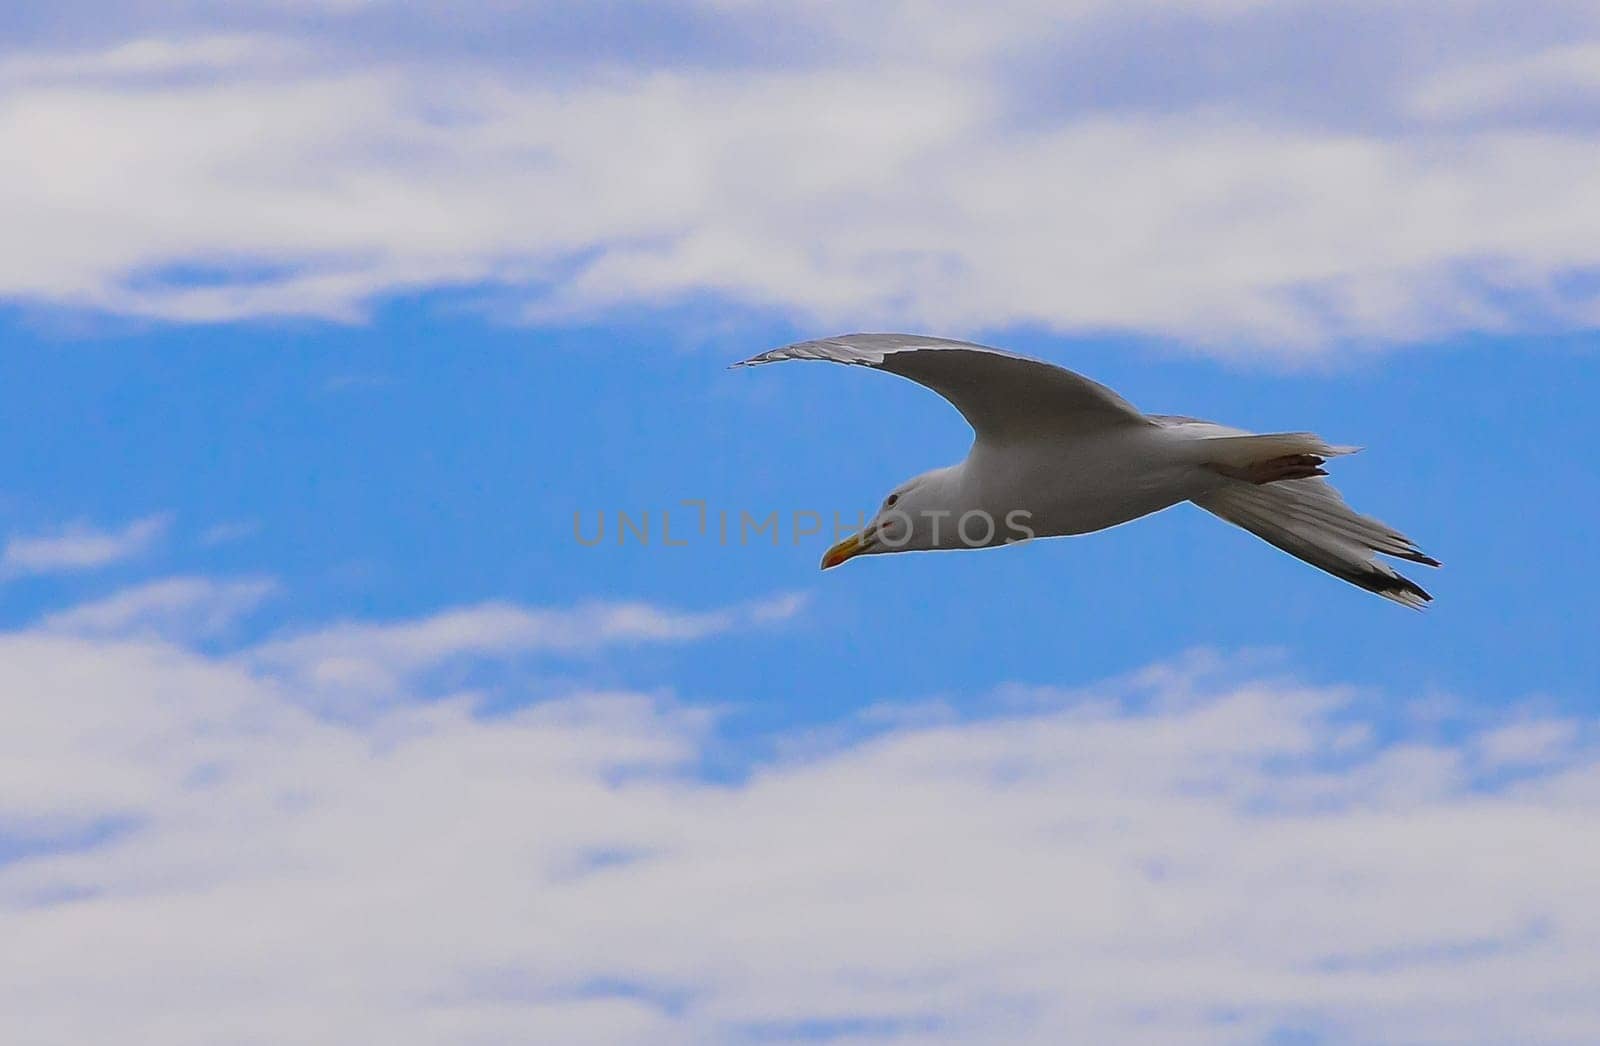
<point>1056,454</point>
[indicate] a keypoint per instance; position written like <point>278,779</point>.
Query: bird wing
<point>1002,395</point>
<point>1309,520</point>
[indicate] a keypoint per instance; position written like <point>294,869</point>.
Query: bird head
<point>908,520</point>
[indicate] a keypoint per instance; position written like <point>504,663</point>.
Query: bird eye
<point>889,502</point>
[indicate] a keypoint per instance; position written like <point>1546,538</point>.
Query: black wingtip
<point>1404,586</point>
<point>1414,556</point>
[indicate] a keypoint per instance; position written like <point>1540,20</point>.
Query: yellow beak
<point>849,548</point>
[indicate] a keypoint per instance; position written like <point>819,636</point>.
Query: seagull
<point>1057,454</point>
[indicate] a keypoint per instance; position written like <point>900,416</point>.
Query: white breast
<point>1082,485</point>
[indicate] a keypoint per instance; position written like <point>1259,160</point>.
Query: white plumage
<point>1056,454</point>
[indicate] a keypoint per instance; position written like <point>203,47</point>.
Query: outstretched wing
<point>1002,395</point>
<point>1309,520</point>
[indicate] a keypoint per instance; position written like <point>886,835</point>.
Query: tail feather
<point>1309,520</point>
<point>1244,450</point>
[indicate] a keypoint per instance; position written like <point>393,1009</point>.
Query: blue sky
<point>428,459</point>
<point>323,320</point>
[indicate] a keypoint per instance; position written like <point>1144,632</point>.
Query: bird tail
<point>1243,451</point>
<point>1309,520</point>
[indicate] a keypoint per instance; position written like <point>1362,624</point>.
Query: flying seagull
<point>1056,454</point>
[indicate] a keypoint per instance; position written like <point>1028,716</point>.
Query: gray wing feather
<point>1001,394</point>
<point>1309,520</point>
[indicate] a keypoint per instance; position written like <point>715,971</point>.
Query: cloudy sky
<point>340,335</point>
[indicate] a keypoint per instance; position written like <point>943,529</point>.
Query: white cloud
<point>80,547</point>
<point>378,659</point>
<point>1559,76</point>
<point>915,166</point>
<point>227,533</point>
<point>1535,742</point>
<point>1186,860</point>
<point>141,58</point>
<point>175,608</point>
